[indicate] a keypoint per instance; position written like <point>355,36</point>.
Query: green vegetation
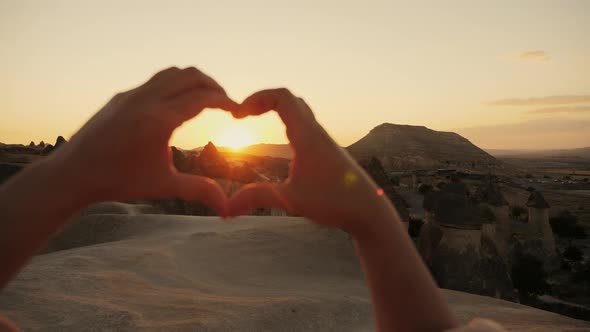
<point>573,254</point>
<point>582,275</point>
<point>565,225</point>
<point>529,277</point>
<point>518,212</point>
<point>424,188</point>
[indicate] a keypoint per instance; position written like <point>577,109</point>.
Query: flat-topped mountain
<point>402,147</point>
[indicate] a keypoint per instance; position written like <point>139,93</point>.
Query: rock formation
<point>185,161</point>
<point>32,144</point>
<point>535,237</point>
<point>501,231</point>
<point>47,150</point>
<point>59,141</point>
<point>374,168</point>
<point>452,244</point>
<point>42,144</point>
<point>212,163</point>
<point>539,226</point>
<point>401,147</point>
<point>126,272</point>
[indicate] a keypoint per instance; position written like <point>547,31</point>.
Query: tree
<point>414,226</point>
<point>394,180</point>
<point>529,277</point>
<point>582,274</point>
<point>424,188</point>
<point>573,254</point>
<point>565,225</point>
<point>518,211</point>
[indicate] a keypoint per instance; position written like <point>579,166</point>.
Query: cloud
<point>560,109</point>
<point>551,133</point>
<point>536,101</point>
<point>540,56</point>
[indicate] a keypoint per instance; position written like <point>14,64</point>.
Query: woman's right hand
<point>325,184</point>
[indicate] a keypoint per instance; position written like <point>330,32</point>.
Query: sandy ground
<point>178,273</point>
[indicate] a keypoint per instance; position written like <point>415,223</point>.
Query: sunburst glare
<point>236,137</point>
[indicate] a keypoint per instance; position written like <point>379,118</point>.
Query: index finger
<point>188,105</point>
<point>302,128</point>
<point>187,79</point>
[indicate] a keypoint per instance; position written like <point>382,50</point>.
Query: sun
<point>236,137</point>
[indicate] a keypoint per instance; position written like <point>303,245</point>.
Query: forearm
<point>404,295</point>
<point>34,205</point>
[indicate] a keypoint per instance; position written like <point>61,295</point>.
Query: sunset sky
<point>505,74</point>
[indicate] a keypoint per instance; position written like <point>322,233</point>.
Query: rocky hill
<point>404,147</point>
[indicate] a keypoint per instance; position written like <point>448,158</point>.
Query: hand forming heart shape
<point>133,160</point>
<point>122,153</point>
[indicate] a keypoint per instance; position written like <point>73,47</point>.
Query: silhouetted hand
<point>325,184</point>
<point>122,152</point>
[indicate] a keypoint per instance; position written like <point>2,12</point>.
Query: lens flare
<point>350,178</point>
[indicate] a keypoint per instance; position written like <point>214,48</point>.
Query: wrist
<point>64,181</point>
<point>382,218</point>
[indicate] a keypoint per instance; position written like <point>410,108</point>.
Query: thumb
<point>199,188</point>
<point>257,195</point>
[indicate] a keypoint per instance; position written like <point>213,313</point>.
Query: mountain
<point>263,150</point>
<point>404,147</point>
<point>212,163</point>
<point>270,150</point>
<point>224,163</point>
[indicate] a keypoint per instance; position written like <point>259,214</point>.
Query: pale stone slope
<point>180,273</point>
